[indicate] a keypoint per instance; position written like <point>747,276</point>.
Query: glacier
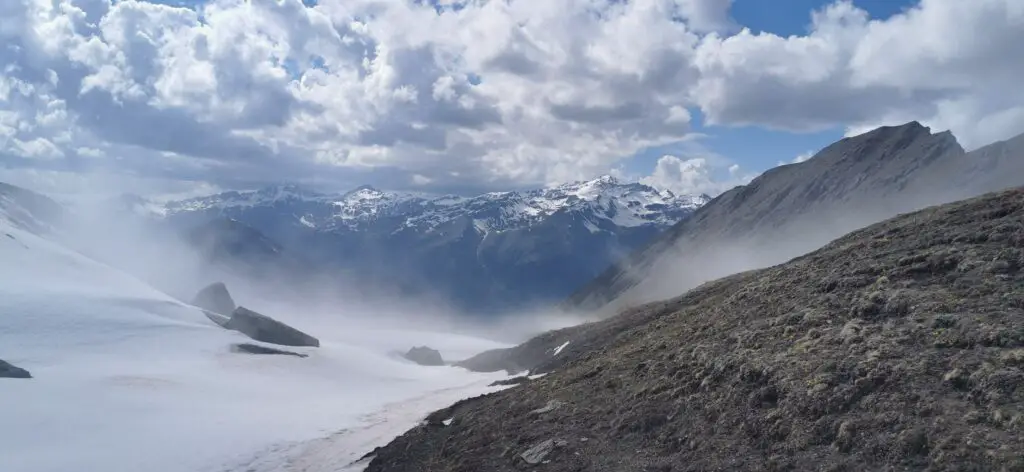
<point>128,378</point>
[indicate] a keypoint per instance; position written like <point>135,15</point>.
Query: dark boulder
<point>215,298</point>
<point>264,328</point>
<point>218,318</point>
<point>424,355</point>
<point>249,348</point>
<point>12,372</point>
<point>510,381</point>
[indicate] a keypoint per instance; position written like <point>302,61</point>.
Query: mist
<point>695,259</point>
<point>319,299</point>
<point>97,307</point>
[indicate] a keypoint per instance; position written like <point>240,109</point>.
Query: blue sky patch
<point>755,148</point>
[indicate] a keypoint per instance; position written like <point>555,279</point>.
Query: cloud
<point>799,158</point>
<point>491,91</point>
<point>803,157</point>
<point>694,176</point>
<point>76,186</point>
<point>481,95</point>
<point>947,63</point>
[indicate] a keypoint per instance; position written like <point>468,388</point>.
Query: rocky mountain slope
<point>795,208</point>
<point>899,346</point>
<point>497,251</point>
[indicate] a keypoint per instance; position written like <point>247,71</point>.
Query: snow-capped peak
<point>624,204</point>
<point>364,193</point>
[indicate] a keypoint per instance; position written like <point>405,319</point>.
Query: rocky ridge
<point>792,209</point>
<point>896,347</point>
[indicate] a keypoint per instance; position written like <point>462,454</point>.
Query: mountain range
<point>597,245</point>
<point>496,252</point>
<point>501,251</point>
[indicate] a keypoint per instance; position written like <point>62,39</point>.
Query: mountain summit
<point>795,208</point>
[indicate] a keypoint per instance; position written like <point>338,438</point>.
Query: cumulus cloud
<point>694,176</point>
<point>947,63</point>
<point>799,158</point>
<point>472,93</point>
<point>76,186</point>
<point>489,91</point>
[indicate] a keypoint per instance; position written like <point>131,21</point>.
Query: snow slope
<point>128,379</point>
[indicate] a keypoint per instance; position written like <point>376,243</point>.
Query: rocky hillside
<point>493,252</point>
<point>899,346</point>
<point>795,208</point>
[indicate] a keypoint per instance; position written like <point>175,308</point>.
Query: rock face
<point>899,346</point>
<point>220,308</point>
<point>792,209</point>
<point>250,348</point>
<point>510,381</point>
<point>13,372</point>
<point>423,355</point>
<point>215,298</point>
<point>540,452</point>
<point>264,328</point>
<point>527,357</point>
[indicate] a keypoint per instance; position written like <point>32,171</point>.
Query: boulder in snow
<point>424,355</point>
<point>218,318</point>
<point>215,298</point>
<point>510,381</point>
<point>264,328</point>
<point>250,348</point>
<point>13,372</point>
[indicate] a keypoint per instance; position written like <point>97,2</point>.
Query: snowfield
<point>129,379</point>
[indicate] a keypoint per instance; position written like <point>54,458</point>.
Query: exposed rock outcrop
<point>250,348</point>
<point>215,298</point>
<point>510,381</point>
<point>424,355</point>
<point>10,371</point>
<point>264,328</point>
<point>540,452</point>
<point>535,356</point>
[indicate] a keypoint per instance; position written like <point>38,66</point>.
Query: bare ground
<point>897,347</point>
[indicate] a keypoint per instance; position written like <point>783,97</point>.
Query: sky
<point>189,97</point>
